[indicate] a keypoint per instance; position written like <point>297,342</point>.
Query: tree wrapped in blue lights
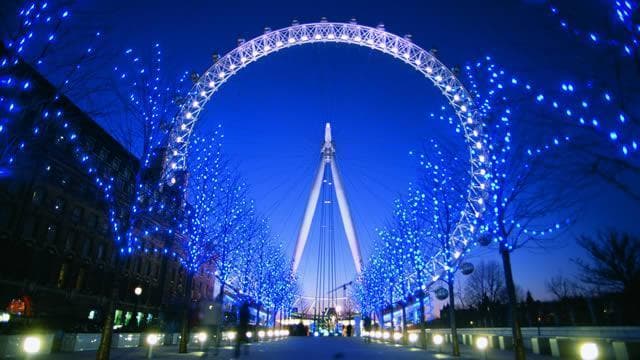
<point>412,231</point>
<point>373,289</point>
<point>129,210</point>
<point>439,198</point>
<point>143,217</point>
<point>34,46</point>
<point>403,251</point>
<point>397,272</point>
<point>216,219</point>
<point>262,271</point>
<point>600,98</point>
<point>622,34</point>
<point>528,185</point>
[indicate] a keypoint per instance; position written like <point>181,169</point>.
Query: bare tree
<point>485,284</point>
<point>613,264</point>
<point>562,287</point>
<point>36,57</point>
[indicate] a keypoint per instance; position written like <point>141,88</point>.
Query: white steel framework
<point>328,158</point>
<point>378,39</point>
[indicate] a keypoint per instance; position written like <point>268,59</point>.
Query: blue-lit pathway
<point>307,348</point>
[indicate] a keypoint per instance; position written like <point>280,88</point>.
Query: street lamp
<point>231,335</point>
<point>481,344</point>
<point>152,340</point>
<point>137,291</point>
<point>202,338</point>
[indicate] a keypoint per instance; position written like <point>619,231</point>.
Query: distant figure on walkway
<point>349,330</point>
<point>243,327</point>
<point>367,328</point>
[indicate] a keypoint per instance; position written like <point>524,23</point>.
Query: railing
<point>592,332</point>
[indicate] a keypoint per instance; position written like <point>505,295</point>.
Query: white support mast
<point>328,157</point>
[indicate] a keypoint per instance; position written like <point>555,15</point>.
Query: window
<point>120,184</point>
<point>65,181</point>
<point>115,164</point>
<point>76,214</point>
<point>85,247</point>
<point>92,221</point>
<point>29,227</point>
<point>100,251</point>
<point>90,143</point>
<point>104,228</point>
<point>37,198</point>
<point>104,153</point>
<point>5,217</point>
<point>58,205</point>
<point>51,233</point>
<point>81,189</point>
<point>70,240</point>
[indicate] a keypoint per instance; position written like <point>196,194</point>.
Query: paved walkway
<point>308,348</point>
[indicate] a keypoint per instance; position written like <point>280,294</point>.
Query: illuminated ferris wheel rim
<point>379,39</point>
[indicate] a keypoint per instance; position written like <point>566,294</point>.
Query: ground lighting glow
<point>482,343</point>
<point>152,339</point>
<point>413,337</point>
<point>31,344</point>
<point>589,351</point>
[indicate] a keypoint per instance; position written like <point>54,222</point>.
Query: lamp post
<point>137,291</point>
<point>202,339</point>
<point>152,340</point>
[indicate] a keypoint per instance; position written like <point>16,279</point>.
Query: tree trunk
<point>592,313</point>
<point>423,331</point>
<point>186,312</point>
<point>220,315</point>
<point>104,349</point>
<point>258,314</point>
<point>266,323</point>
<point>455,347</point>
<point>404,324</point>
<point>393,324</point>
<point>518,343</point>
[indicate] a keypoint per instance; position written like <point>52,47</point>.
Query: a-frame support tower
<point>328,159</point>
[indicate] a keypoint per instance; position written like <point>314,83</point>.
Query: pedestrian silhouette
<point>243,327</point>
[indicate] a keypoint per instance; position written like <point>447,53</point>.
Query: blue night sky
<point>274,111</point>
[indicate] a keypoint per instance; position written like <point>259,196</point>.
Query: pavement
<point>303,348</point>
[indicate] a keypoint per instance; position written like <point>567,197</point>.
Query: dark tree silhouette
<point>613,264</point>
<point>613,261</point>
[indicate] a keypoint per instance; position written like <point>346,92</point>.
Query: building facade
<point>58,257</point>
